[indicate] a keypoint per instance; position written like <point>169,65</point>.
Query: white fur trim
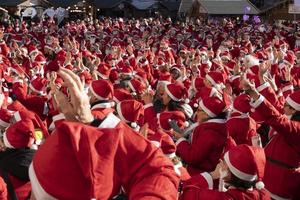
<point>17,116</point>
<point>6,142</point>
<point>155,143</point>
<point>170,94</point>
<point>205,109</point>
<point>171,155</point>
<point>276,197</point>
<point>37,189</point>
<point>263,86</point>
<point>219,121</point>
<point>35,90</point>
<point>131,86</point>
<point>231,79</point>
<point>176,168</point>
<point>242,175</point>
<point>95,94</point>
<point>103,105</point>
<point>257,103</point>
<point>119,110</point>
<point>111,121</point>
<point>293,103</point>
<point>210,79</point>
<point>58,117</point>
<point>179,141</point>
<point>102,76</point>
<point>287,87</point>
<point>4,124</point>
<point>148,105</point>
<point>208,179</point>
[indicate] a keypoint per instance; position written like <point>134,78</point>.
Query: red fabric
<point>108,158</point>
<point>3,190</point>
<point>284,147</point>
<point>22,188</point>
<point>197,189</point>
<point>241,129</point>
<point>205,149</point>
<point>166,143</point>
<point>31,102</point>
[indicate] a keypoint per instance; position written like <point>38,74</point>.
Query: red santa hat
<point>121,94</point>
<point>242,103</point>
<point>5,116</point>
<point>166,117</point>
<point>20,135</point>
<point>294,100</point>
<point>52,66</point>
<point>216,79</point>
<point>289,59</point>
<point>102,89</point>
<point>197,83</point>
<point>40,59</point>
<point>38,85</point>
<point>226,55</point>
<point>131,112</point>
<point>103,71</point>
<point>136,86</point>
<point>212,106</point>
<point>82,155</point>
<point>247,163</point>
<point>32,49</point>
<point>177,92</point>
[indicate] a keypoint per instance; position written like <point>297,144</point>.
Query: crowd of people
<point>150,109</point>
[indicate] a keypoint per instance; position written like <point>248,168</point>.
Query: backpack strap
<point>9,186</point>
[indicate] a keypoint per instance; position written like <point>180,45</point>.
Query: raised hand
<point>77,107</point>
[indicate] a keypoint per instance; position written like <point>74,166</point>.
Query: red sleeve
<point>266,90</point>
<point>290,129</point>
<point>150,116</point>
<point>167,144</point>
<point>199,148</point>
<point>194,192</point>
<point>20,90</point>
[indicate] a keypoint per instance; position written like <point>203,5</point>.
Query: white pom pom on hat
<point>186,101</point>
<point>133,124</point>
<point>186,124</point>
<point>259,185</point>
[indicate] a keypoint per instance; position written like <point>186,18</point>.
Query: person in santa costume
<point>282,151</point>
<point>108,156</point>
<point>241,127</point>
<point>240,174</point>
<point>208,139</point>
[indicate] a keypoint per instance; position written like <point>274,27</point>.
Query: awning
<point>143,4</point>
<point>63,3</point>
<point>10,3</point>
<point>104,4</point>
<point>171,5</point>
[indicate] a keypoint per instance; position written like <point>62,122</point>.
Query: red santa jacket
<point>206,147</point>
<point>200,187</point>
<point>282,152</point>
<point>101,110</point>
<point>134,176</point>
<point>37,104</point>
<point>241,128</point>
<point>163,141</point>
<point>117,157</point>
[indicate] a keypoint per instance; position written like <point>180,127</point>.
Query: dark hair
<point>239,183</point>
<point>296,116</point>
<point>222,115</point>
<point>174,105</point>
